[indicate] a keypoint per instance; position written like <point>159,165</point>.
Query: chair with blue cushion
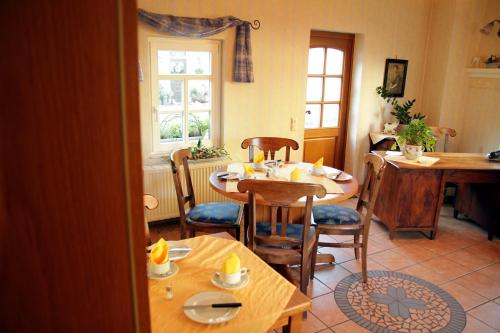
<point>339,220</point>
<point>269,145</point>
<point>278,241</point>
<point>205,217</point>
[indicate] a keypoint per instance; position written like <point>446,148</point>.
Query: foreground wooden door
<point>327,100</point>
<point>71,215</point>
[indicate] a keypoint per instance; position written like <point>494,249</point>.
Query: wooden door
<point>71,215</point>
<point>327,100</point>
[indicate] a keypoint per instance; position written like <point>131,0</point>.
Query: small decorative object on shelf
<point>413,138</point>
<point>492,62</point>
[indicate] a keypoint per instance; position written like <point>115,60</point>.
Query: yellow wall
<point>383,28</point>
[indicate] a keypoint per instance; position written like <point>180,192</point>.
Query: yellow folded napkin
<point>159,253</point>
<point>319,163</point>
<point>259,157</point>
<point>231,265</point>
<point>248,170</point>
<point>295,175</point>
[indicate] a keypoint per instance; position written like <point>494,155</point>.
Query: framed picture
<point>395,76</point>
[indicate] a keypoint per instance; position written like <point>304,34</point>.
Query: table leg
<point>294,324</point>
<point>438,206</point>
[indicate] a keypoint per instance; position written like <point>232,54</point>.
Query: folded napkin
<point>159,253</point>
<point>248,170</point>
<point>259,157</point>
<point>231,265</point>
<point>319,163</point>
<point>295,175</point>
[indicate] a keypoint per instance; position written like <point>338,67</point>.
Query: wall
<point>451,98</point>
<point>383,28</point>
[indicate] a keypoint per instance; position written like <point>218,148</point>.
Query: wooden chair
<point>269,145</point>
<point>339,220</point>
<point>150,203</point>
<point>282,243</point>
<point>206,217</point>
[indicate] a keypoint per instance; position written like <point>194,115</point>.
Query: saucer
<point>216,281</point>
<point>344,177</point>
<point>174,269</point>
<point>211,315</point>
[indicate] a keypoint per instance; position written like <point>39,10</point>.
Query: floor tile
<point>324,307</point>
<point>327,330</point>
<point>341,255</point>
<point>414,252</point>
<point>312,324</point>
<point>493,272</point>
<point>476,326</point>
<point>330,275</point>
<point>486,250</point>
<point>425,273</point>
<point>439,246</point>
<point>316,288</point>
<point>481,284</point>
<point>488,313</point>
<point>354,266</point>
<point>466,297</point>
<point>349,327</point>
<point>497,300</point>
<point>446,267</point>
<point>469,259</point>
<point>392,260</point>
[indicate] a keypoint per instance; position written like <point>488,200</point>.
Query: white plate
<point>174,269</point>
<point>211,315</point>
<point>216,281</point>
<point>344,177</point>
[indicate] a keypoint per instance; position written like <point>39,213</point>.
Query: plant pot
<point>412,152</point>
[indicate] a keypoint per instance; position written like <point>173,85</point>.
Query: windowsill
<point>492,73</point>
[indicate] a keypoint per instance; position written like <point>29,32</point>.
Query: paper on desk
<point>425,161</point>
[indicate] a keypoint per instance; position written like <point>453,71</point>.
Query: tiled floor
<point>460,260</point>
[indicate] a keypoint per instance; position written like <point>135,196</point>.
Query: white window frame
<point>180,44</point>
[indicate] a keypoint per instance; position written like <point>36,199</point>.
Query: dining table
<point>337,191</point>
<point>268,300</point>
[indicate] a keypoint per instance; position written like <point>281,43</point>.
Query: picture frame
<point>395,77</point>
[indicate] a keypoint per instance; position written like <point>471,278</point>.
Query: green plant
<point>197,126</point>
<point>417,133</point>
<point>401,112</point>
<point>170,131</point>
<point>201,151</point>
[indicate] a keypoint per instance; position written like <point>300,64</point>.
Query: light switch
<point>293,124</point>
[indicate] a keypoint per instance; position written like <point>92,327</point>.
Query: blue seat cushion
<point>333,214</point>
<point>292,230</point>
<point>215,212</point>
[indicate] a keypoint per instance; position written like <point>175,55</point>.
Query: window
<point>185,92</point>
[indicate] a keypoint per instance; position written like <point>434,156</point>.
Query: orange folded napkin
<point>259,157</point>
<point>159,253</point>
<point>295,175</point>
<point>318,163</point>
<point>232,264</point>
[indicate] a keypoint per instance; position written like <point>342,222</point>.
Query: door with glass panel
<point>327,98</point>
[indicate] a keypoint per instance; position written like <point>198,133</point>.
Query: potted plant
<point>400,112</point>
<point>413,138</point>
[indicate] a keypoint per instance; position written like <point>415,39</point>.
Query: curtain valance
<point>204,27</point>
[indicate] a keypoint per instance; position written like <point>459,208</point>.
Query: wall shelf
<point>493,73</point>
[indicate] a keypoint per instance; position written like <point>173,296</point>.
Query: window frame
<point>181,44</point>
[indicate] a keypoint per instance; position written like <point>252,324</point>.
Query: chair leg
<point>364,269</point>
<point>356,249</point>
<point>314,254</point>
<point>304,273</point>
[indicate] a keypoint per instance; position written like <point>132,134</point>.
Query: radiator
<point>158,181</point>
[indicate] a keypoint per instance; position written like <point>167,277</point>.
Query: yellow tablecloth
<point>283,173</point>
<point>263,299</point>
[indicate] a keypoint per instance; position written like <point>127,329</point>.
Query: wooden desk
<point>411,197</point>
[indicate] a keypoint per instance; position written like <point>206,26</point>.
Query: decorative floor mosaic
<point>396,302</point>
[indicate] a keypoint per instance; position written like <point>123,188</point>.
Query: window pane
<point>199,94</point>
<point>316,60</point>
<point>171,95</point>
<point>198,63</point>
<point>332,89</point>
<point>313,115</point>
<point>334,61</point>
<point>171,127</point>
<point>314,89</point>
<point>330,115</point>
<point>171,62</point>
<point>199,125</point>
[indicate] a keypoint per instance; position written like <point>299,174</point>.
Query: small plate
<point>211,315</point>
<point>216,281</point>
<point>174,269</point>
<point>344,177</point>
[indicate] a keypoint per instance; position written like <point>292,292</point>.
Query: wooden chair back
<point>150,203</point>
<point>179,158</point>
<point>280,195</point>
<point>269,145</point>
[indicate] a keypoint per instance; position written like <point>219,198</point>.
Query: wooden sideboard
<point>411,196</point>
